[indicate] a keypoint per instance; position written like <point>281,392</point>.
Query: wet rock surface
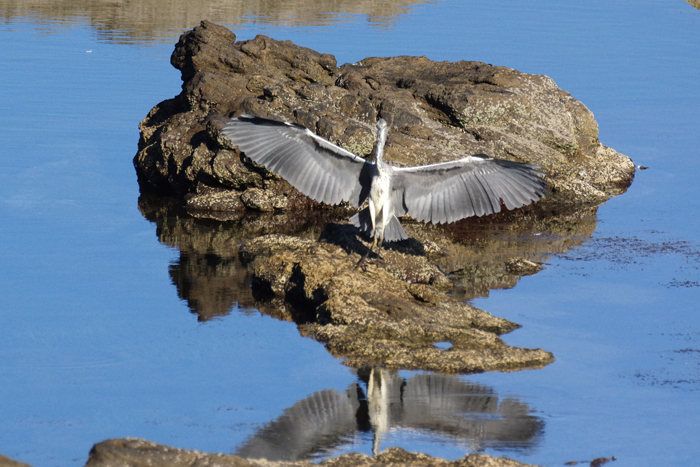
<point>437,111</point>
<point>387,313</point>
<point>132,452</point>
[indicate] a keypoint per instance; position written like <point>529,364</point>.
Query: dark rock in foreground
<point>132,452</point>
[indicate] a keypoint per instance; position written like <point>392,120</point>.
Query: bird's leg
<point>372,213</point>
<point>362,260</point>
<point>381,236</point>
<point>381,241</point>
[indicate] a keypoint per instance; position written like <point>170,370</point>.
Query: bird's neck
<point>381,141</point>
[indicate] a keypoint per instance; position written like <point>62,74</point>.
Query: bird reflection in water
<point>437,406</point>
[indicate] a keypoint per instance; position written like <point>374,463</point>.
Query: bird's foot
<point>366,260</point>
<point>362,260</point>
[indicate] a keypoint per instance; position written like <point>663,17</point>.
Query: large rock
<point>437,111</point>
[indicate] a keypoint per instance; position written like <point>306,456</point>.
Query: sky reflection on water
<point>97,344</point>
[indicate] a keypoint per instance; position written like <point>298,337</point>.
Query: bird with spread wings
<point>444,192</point>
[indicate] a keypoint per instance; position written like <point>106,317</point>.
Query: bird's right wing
<point>472,186</point>
<point>313,165</point>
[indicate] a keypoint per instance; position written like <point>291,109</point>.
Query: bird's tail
<point>393,231</point>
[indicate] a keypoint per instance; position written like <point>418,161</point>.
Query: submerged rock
<point>133,452</point>
<point>437,111</point>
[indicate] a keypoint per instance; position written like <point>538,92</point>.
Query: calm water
<point>96,343</point>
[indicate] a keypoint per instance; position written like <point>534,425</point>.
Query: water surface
<point>101,340</point>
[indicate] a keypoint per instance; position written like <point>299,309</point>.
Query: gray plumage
<point>444,192</point>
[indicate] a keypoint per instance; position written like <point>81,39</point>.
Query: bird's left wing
<point>315,166</point>
<point>472,186</point>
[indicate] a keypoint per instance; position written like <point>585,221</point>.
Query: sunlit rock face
<point>437,111</point>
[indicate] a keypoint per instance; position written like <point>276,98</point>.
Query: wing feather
<point>323,193</point>
<point>521,188</point>
<point>452,205</point>
<point>313,165</point>
<point>486,201</point>
<point>473,186</point>
<point>467,197</point>
<point>491,201</point>
<point>436,217</point>
<point>503,192</point>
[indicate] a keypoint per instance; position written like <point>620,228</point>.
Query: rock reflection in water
<point>443,406</point>
<point>483,252</point>
<point>212,285</point>
<point>210,276</point>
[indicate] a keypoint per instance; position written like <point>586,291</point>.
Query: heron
<point>444,192</point>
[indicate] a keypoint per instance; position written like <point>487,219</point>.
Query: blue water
<point>96,344</point>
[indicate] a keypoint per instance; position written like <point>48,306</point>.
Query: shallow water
<point>100,341</point>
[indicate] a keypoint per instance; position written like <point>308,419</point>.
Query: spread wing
<point>473,186</point>
<point>316,167</point>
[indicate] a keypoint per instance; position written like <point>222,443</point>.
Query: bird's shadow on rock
<point>351,240</point>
